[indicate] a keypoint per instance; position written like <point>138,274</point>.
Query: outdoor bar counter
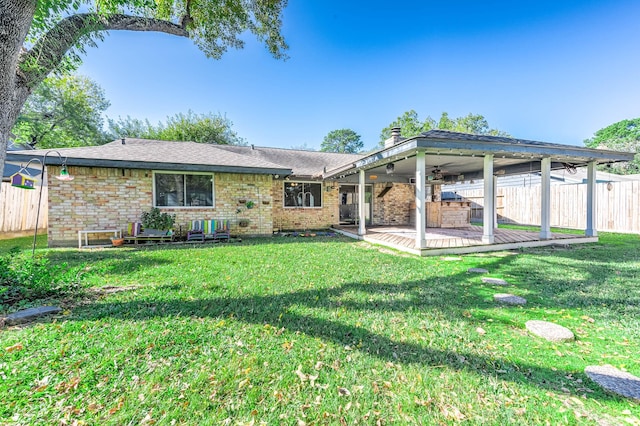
<point>448,214</point>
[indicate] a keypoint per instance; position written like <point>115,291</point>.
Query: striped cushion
<point>197,225</point>
<point>209,226</point>
<point>133,228</point>
<point>223,225</point>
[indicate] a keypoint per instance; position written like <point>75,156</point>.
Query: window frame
<point>184,174</point>
<point>302,182</point>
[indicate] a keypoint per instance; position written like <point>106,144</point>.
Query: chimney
<point>394,139</point>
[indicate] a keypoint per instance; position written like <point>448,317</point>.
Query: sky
<point>546,70</point>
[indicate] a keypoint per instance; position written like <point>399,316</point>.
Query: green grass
<point>22,243</point>
<point>328,331</point>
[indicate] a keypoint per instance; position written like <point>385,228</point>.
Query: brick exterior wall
<point>300,219</point>
<point>106,198</point>
<point>395,206</point>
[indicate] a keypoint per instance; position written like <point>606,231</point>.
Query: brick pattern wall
<point>291,218</point>
<point>105,198</point>
<point>395,206</point>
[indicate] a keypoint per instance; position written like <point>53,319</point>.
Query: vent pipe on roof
<point>123,141</point>
<point>394,139</point>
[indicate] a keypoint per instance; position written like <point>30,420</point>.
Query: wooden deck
<point>457,240</point>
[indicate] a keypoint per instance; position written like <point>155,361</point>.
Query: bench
<point>84,234</point>
<point>212,229</point>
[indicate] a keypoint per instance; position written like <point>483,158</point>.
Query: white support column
<point>421,213</point>
<point>591,230</point>
<point>362,218</point>
<point>495,202</point>
<point>489,202</point>
<point>545,199</point>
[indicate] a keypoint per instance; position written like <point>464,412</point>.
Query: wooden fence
<point>617,205</point>
<point>18,208</point>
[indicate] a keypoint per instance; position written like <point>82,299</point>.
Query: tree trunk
<point>16,83</point>
<point>15,20</point>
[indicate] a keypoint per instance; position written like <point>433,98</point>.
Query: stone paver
<point>494,281</point>
<point>509,299</point>
<point>550,331</point>
<point>616,381</point>
<point>477,270</point>
<point>451,259</point>
<point>30,314</point>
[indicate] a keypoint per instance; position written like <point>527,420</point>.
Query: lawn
<point>326,330</point>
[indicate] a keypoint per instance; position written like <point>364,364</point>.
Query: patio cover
<point>440,156</point>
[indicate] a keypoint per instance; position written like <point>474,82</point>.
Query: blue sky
<point>553,71</point>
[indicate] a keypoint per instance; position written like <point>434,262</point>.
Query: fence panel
<point>617,204</point>
<point>18,208</point>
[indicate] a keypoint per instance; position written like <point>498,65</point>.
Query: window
<point>302,194</point>
<point>183,190</point>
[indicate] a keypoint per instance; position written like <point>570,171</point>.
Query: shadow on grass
<point>115,261</point>
<point>280,310</point>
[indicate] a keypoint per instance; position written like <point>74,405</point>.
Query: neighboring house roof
<point>11,169</point>
<point>558,177</point>
<point>157,155</point>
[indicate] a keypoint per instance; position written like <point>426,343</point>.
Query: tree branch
<point>48,52</point>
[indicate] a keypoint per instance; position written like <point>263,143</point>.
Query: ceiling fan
<point>436,174</point>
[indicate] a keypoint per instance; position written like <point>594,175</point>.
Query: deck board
<point>403,237</point>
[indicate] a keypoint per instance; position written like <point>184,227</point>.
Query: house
<point>289,189</point>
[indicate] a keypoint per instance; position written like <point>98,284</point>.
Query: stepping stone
<point>494,281</point>
<point>550,331</point>
<point>509,299</point>
<point>477,270</point>
<point>616,381</point>
<point>451,259</point>
<point>28,315</point>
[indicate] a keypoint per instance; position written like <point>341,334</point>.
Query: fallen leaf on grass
<point>16,347</point>
<point>481,331</point>
<point>451,412</point>
<point>117,407</point>
<point>344,392</point>
<point>65,387</point>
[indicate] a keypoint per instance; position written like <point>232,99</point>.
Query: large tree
<point>342,140</point>
<point>39,36</point>
<point>203,128</point>
<point>63,111</point>
<point>410,125</point>
<point>621,136</point>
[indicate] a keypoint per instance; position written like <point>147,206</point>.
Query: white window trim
<point>213,189</point>
<point>303,182</point>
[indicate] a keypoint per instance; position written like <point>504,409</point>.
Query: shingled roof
<point>307,164</point>
<point>192,156</point>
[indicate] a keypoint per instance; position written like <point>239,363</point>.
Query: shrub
<point>155,219</point>
<point>24,278</point>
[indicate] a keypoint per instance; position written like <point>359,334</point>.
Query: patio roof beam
<point>540,149</point>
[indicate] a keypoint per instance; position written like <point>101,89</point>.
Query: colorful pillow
<point>134,228</point>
